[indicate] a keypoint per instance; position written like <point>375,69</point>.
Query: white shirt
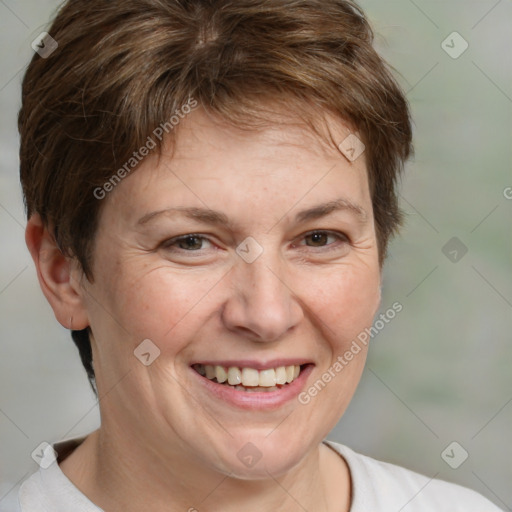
<point>376,487</point>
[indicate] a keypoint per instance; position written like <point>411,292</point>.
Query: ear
<point>59,276</point>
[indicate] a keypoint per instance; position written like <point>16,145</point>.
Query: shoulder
<point>48,489</point>
<point>381,486</point>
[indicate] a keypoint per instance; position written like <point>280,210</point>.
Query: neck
<point>118,473</point>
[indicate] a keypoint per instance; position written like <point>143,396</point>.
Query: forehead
<point>211,160</point>
<point>281,129</point>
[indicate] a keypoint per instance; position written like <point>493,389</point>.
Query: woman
<point>210,190</point>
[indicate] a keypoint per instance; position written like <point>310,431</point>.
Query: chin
<point>254,457</point>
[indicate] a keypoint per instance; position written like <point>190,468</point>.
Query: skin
<point>164,444</point>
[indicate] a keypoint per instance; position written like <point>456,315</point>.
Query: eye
<point>190,243</point>
<point>329,239</point>
<point>318,239</point>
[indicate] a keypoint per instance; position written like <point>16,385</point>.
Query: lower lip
<point>264,400</point>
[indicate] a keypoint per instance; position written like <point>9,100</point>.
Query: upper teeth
<point>249,376</point>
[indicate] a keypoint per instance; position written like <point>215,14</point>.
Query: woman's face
<point>279,268</point>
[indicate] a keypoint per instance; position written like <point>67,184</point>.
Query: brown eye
<point>328,239</point>
<point>318,239</point>
<point>190,242</point>
<point>322,245</point>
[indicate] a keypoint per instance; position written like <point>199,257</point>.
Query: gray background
<point>440,371</point>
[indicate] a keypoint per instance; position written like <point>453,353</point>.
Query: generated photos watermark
<point>146,352</point>
<point>158,133</point>
<point>44,45</point>
<point>454,455</point>
<point>343,360</point>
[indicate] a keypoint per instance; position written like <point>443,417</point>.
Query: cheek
<point>346,306</point>
<point>159,302</point>
<point>346,301</point>
<point>159,305</point>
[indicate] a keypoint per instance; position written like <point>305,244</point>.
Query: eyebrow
<point>218,218</point>
<point>322,210</point>
<point>201,214</point>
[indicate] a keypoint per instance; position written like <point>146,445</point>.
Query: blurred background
<point>439,372</point>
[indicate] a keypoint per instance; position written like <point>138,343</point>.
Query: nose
<point>261,304</point>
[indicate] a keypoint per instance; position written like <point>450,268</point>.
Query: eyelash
<point>341,237</point>
<point>167,244</point>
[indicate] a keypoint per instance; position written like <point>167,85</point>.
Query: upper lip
<point>257,365</point>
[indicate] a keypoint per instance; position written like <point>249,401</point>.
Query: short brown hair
<point>122,67</point>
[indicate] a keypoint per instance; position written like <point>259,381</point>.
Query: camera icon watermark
<point>249,250</point>
<point>454,455</point>
<point>249,455</point>
<point>146,352</point>
<point>44,45</point>
<point>507,193</point>
<point>44,455</point>
<point>454,45</point>
<point>352,147</point>
<point>454,250</point>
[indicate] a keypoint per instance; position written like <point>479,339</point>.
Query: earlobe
<point>55,275</point>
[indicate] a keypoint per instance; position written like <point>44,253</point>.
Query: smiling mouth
<point>249,379</point>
